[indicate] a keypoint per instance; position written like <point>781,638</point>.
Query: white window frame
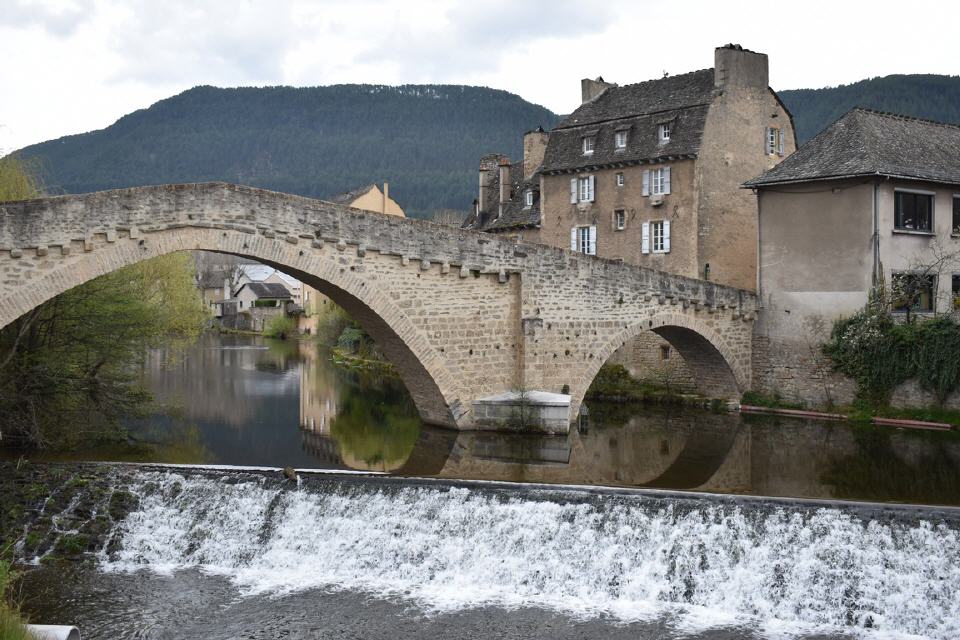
<point>619,219</point>
<point>583,239</point>
<point>663,132</point>
<point>657,236</point>
<point>528,198</point>
<point>586,189</point>
<point>620,180</point>
<point>620,140</point>
<point>955,206</point>
<point>771,142</point>
<point>588,142</point>
<point>657,182</point>
<point>933,212</point>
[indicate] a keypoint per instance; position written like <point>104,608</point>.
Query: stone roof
<point>270,290</point>
<point>515,213</point>
<point>349,196</point>
<point>682,101</point>
<point>864,143</point>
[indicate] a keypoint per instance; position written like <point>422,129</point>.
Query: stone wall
<point>461,314</point>
<point>643,358</point>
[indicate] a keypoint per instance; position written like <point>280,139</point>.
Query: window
<point>656,181</point>
<point>955,227</point>
<point>585,195</point>
<point>657,229</point>
<point>913,292</point>
<point>619,219</point>
<point>956,291</point>
<point>582,189</point>
<point>620,183</point>
<point>588,142</point>
<point>620,140</point>
<point>584,240</point>
<point>655,236</point>
<point>663,133</point>
<point>528,198</point>
<point>775,141</point>
<point>912,211</point>
<point>664,352</point>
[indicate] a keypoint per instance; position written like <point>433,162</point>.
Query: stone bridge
<point>464,316</point>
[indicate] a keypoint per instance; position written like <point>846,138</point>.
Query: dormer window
<point>620,140</point>
<point>663,133</point>
<point>588,142</point>
<point>528,198</point>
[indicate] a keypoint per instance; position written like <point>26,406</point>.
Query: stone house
<point>872,199</point>
<point>259,302</point>
<point>649,173</point>
<point>370,198</point>
<point>249,273</point>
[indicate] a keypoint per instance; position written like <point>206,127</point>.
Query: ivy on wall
<point>880,353</point>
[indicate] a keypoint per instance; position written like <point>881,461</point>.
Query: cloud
<point>221,41</point>
<point>476,37</point>
<point>59,18</point>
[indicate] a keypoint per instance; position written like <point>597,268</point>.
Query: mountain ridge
<point>424,139</point>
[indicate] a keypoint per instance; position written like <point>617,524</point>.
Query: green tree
<point>68,368</point>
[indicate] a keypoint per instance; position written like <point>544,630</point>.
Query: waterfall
<point>696,562</point>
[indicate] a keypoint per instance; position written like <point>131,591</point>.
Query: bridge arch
<point>435,391</point>
<point>716,368</point>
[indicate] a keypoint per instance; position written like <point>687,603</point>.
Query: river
<point>708,526</point>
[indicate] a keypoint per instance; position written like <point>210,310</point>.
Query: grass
<point>11,624</point>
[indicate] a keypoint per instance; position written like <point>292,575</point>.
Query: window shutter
<point>646,182</point>
<point>780,137</point>
<point>573,190</point>
<point>768,144</point>
<point>592,245</point>
<point>666,180</point>
<point>573,240</point>
<point>645,238</point>
<point>666,236</point>
<point>591,182</point>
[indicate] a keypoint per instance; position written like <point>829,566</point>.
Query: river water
<point>711,526</point>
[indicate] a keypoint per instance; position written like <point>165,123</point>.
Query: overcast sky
<point>70,66</point>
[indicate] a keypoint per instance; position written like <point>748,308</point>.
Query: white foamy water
<point>696,563</point>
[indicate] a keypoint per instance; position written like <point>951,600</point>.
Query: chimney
<point>534,146</point>
<point>590,89</point>
<point>734,66</point>
<point>386,196</point>
<point>504,181</point>
<point>488,164</point>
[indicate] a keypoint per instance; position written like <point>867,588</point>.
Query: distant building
<point>248,273</point>
<point>649,173</point>
<point>873,198</point>
<point>370,198</point>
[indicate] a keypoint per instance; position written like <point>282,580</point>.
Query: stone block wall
<point>462,314</point>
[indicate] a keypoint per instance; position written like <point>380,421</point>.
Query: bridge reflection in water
<point>284,403</point>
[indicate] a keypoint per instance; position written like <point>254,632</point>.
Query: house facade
<point>872,200</point>
<point>649,173</point>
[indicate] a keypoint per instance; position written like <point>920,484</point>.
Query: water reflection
<point>248,401</point>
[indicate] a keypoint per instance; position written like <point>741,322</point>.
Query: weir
<point>692,561</point>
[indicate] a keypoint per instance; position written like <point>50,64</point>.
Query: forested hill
<point>922,96</point>
<point>426,140</point>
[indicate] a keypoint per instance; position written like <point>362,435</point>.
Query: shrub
<point>279,326</point>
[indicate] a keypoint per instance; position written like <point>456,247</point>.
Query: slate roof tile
<point>864,142</point>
